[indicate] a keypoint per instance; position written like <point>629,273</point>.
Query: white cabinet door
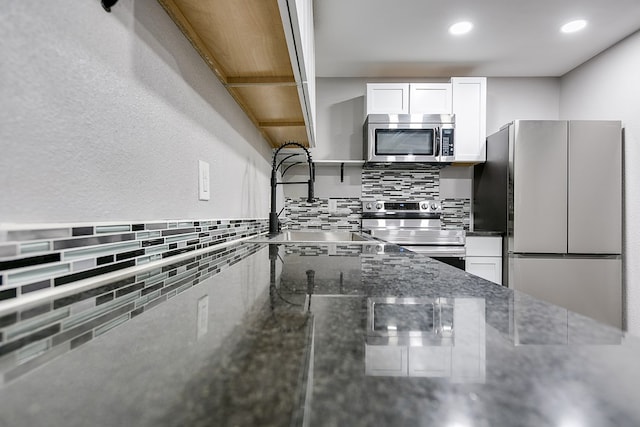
<point>468,356</point>
<point>386,360</point>
<point>469,104</point>
<point>483,246</point>
<point>484,257</point>
<point>489,268</point>
<point>430,98</point>
<point>387,98</point>
<point>430,361</point>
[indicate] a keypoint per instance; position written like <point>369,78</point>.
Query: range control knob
<point>424,206</point>
<point>378,205</point>
<point>368,206</point>
<point>434,206</point>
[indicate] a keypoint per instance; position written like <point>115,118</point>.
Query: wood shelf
<point>244,44</point>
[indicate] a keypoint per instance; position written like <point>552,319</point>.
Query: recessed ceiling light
<point>573,26</point>
<point>460,28</point>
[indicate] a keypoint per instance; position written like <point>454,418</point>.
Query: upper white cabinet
<point>469,101</point>
<point>387,98</point>
<point>430,98</point>
<point>408,98</point>
<point>465,97</point>
<point>297,21</point>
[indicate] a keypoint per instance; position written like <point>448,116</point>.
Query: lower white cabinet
<point>484,257</point>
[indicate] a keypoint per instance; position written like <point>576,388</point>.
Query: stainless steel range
<point>416,226</point>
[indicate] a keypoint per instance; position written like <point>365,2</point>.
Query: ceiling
<point>510,38</point>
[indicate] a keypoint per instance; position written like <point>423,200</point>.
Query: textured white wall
<point>105,116</point>
<point>607,87</point>
<point>513,98</point>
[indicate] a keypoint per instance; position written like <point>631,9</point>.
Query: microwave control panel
<point>447,142</point>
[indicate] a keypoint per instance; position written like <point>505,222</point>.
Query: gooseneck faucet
<point>274,223</point>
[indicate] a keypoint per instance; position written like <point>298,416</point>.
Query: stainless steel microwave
<point>409,138</point>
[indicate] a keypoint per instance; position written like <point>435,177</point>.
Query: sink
<point>320,236</point>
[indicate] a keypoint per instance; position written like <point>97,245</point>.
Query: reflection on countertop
<point>283,334</point>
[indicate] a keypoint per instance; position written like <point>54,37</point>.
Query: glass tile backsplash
<point>389,182</point>
<point>41,258</point>
<point>31,337</point>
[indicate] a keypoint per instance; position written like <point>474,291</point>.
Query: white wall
<point>607,87</point>
<point>105,116</point>
<point>513,98</point>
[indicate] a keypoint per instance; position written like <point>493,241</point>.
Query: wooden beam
<point>260,81</point>
<point>279,124</point>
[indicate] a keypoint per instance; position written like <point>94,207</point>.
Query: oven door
<point>403,142</point>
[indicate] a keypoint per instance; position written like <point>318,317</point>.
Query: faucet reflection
<point>274,222</point>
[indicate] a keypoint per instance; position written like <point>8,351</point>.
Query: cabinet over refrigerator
<point>554,188</point>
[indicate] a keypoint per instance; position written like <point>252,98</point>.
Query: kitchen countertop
<point>284,335</point>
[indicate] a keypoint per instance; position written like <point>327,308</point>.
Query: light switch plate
<point>333,205</point>
<point>204,183</point>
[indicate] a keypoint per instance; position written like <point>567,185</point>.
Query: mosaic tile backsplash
<point>323,214</point>
<point>31,337</point>
<point>400,184</point>
<point>379,182</point>
<point>456,214</point>
<point>37,259</point>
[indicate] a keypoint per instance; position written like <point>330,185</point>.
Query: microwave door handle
<point>436,152</point>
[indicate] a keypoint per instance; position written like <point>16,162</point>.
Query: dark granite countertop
<point>314,335</point>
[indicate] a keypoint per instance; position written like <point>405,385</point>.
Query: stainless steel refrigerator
<point>554,188</point>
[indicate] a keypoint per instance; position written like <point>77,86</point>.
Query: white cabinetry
<point>469,100</point>
<point>297,20</point>
<point>465,97</point>
<point>430,98</point>
<point>484,257</point>
<point>408,98</point>
<point>386,360</point>
<point>387,98</point>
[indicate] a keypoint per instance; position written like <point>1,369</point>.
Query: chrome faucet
<point>274,222</point>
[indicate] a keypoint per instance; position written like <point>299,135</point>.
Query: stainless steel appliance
<point>555,189</point>
<point>415,226</point>
<point>426,337</point>
<point>400,319</point>
<point>409,138</point>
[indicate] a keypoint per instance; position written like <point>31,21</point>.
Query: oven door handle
<point>434,250</point>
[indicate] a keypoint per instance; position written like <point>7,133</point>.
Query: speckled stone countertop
<point>320,335</point>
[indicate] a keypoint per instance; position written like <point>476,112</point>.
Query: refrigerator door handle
<point>563,256</point>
